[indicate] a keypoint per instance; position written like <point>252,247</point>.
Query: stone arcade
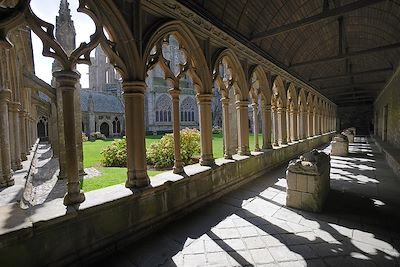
<point>293,73</point>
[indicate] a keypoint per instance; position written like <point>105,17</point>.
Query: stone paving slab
<point>252,226</point>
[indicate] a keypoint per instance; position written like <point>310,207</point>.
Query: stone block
<point>293,198</point>
<point>311,184</point>
<point>302,181</point>
<point>349,134</point>
<point>340,145</point>
<point>313,181</point>
<point>291,179</point>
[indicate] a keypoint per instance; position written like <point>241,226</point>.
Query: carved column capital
<point>66,79</point>
<point>5,95</point>
<point>14,106</point>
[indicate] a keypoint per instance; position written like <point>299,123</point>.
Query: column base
<point>257,149</point>
<point>207,161</point>
<point>7,183</point>
<point>62,176</point>
<point>244,152</point>
<point>137,179</point>
<point>267,146</point>
<point>16,166</point>
<point>23,157</point>
<point>74,198</point>
<point>227,156</point>
<point>178,167</point>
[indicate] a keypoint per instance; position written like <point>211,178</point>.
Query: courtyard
<point>108,176</point>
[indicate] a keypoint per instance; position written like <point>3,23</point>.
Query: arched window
<point>116,124</point>
<point>163,108</point>
<point>188,107</point>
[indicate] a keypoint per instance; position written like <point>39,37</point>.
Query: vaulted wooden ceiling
<point>347,49</point>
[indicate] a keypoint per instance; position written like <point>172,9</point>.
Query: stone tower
<point>65,31</point>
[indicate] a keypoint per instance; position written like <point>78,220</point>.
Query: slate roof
<point>102,102</point>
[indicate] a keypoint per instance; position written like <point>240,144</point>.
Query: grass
<point>113,175</point>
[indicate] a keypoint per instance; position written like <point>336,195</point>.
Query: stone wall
<point>109,218</point>
<point>389,99</point>
<point>360,116</point>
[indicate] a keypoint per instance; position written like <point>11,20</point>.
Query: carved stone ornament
<point>21,14</point>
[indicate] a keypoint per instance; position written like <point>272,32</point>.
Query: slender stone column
<point>255,126</point>
<point>243,128</point>
<point>267,127</point>
<point>310,124</point>
<point>293,123</point>
<point>178,163</point>
<point>204,103</point>
<point>66,81</point>
<point>61,137</point>
<point>23,134</point>
<point>315,123</point>
<point>6,173</point>
<point>135,133</point>
<point>226,128</point>
<point>282,126</point>
<point>54,130</point>
<point>13,108</point>
<point>275,122</point>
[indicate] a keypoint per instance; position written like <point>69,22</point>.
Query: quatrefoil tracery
<point>21,14</point>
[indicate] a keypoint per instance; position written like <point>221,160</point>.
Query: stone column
<point>275,125</point>
<point>6,173</point>
<point>54,130</point>
<point>267,127</point>
<point>255,126</point>
<point>310,124</point>
<point>135,133</point>
<point>66,81</point>
<point>226,128</point>
<point>293,123</point>
<point>282,139</point>
<point>13,108</point>
<point>178,163</point>
<point>61,137</point>
<point>23,134</point>
<point>78,130</point>
<point>205,120</point>
<point>243,128</point>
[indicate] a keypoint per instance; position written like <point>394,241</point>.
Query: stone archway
<point>105,129</point>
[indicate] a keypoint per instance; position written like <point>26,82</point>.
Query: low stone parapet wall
<point>51,235</point>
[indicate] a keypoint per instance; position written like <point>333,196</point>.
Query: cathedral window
<point>188,107</point>
<point>163,108</point>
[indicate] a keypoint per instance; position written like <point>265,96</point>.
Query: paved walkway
<point>41,185</point>
<point>252,227</point>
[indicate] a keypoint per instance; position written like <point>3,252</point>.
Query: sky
<point>47,10</point>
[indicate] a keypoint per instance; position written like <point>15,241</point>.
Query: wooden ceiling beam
<point>352,85</point>
<point>348,55</point>
<point>349,75</point>
<point>324,15</point>
<point>356,92</point>
<point>354,100</point>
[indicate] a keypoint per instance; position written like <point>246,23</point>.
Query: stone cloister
<point>295,115</point>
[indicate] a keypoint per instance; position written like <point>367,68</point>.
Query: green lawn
<point>112,176</point>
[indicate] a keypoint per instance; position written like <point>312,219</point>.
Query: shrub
<point>114,155</point>
<point>84,137</point>
<point>217,130</point>
<point>161,153</point>
<point>97,135</point>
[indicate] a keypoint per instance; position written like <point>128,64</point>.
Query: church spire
<point>65,29</point>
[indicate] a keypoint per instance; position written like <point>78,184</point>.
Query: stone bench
<point>308,181</point>
<point>340,145</point>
